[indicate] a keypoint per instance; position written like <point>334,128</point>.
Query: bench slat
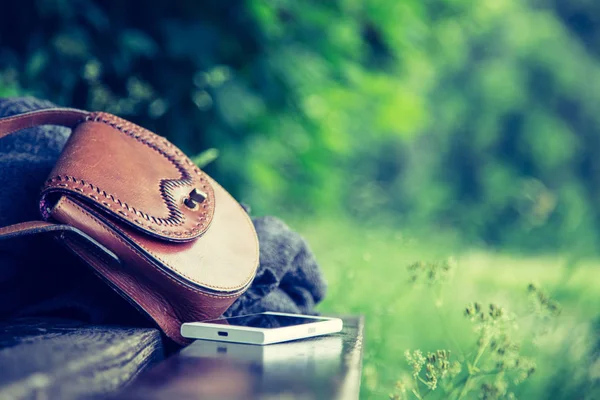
<point>62,359</point>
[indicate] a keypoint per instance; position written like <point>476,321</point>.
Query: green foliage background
<point>472,116</point>
<point>368,124</point>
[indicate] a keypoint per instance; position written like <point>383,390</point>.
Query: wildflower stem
<point>493,372</point>
<point>416,393</point>
<point>472,370</point>
<point>479,354</point>
<point>473,376</point>
<point>464,388</point>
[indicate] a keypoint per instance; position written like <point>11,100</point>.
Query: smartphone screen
<point>267,321</point>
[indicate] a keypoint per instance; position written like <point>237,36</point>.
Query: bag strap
<point>67,117</point>
<point>37,227</point>
<point>28,228</point>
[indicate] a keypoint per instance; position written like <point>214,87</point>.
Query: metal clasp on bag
<point>195,197</point>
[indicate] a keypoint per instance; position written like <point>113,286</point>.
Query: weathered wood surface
<point>326,367</point>
<point>62,359</point>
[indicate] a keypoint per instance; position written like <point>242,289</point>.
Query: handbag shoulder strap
<point>67,117</point>
<point>28,228</point>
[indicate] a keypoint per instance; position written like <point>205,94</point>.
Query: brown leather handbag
<point>161,232</point>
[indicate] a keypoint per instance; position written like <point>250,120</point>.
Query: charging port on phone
<point>221,333</point>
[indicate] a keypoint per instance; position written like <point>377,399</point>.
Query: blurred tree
<point>472,115</point>
<point>515,129</point>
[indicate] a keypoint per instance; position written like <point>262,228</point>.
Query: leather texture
<point>117,194</point>
<point>137,177</point>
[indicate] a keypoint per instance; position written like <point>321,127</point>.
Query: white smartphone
<point>263,328</point>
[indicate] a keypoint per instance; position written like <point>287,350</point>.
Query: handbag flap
<point>133,175</point>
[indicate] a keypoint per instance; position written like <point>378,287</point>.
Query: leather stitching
<point>246,280</point>
<point>149,139</point>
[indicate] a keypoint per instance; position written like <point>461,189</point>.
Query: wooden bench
<point>62,359</point>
